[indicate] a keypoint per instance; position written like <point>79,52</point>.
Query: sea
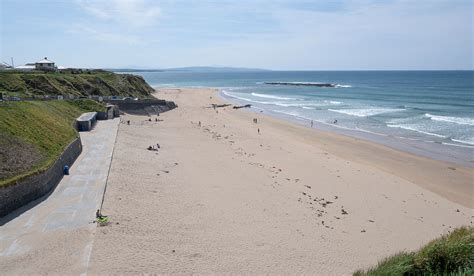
<point>430,113</point>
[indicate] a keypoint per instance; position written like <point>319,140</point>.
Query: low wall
<point>102,115</point>
<point>35,186</point>
<point>143,107</point>
<point>86,121</point>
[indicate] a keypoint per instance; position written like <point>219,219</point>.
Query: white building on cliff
<point>45,65</point>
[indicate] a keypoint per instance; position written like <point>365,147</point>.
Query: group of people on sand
<point>153,147</point>
<point>149,120</point>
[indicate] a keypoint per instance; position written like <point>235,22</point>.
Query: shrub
<point>451,254</point>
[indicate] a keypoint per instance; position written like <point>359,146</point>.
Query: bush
<point>451,254</point>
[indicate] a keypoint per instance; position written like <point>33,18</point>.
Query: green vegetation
<point>73,82</point>
<point>35,133</point>
<point>88,105</point>
<point>452,254</point>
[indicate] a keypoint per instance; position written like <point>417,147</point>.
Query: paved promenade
<point>62,223</point>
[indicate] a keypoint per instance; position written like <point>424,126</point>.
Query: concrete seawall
<point>143,107</point>
<point>35,186</point>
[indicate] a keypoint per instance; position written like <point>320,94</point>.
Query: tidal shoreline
<point>456,154</point>
<point>226,195</point>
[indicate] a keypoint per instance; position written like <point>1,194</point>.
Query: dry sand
<point>221,198</point>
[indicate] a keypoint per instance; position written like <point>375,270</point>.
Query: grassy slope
<point>452,254</point>
<point>44,126</point>
<point>25,84</point>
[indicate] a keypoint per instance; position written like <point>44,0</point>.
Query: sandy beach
<point>226,195</point>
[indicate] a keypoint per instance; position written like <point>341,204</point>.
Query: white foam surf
<point>456,120</point>
<point>271,97</point>
<point>469,141</point>
<point>366,112</point>
<point>293,114</point>
<point>416,130</point>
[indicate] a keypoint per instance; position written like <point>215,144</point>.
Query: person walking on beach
<point>258,130</point>
<point>311,123</point>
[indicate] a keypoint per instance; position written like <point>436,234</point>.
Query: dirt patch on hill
<point>16,156</point>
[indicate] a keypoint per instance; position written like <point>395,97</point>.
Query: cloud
<point>137,13</point>
<point>360,35</point>
<point>105,36</point>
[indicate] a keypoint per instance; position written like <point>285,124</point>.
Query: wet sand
<point>219,197</point>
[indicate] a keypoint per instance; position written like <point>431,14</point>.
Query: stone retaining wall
<point>102,115</point>
<point>35,186</point>
<point>143,107</point>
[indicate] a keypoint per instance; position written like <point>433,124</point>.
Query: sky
<point>278,34</point>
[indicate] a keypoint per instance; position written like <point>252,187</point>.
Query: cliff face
<point>78,83</point>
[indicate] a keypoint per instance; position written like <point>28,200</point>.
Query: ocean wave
<point>457,145</point>
<point>307,104</point>
<point>293,114</point>
<point>368,131</point>
<point>241,98</point>
<point>469,141</point>
<point>271,97</point>
<point>163,85</point>
<point>366,112</point>
<point>296,114</point>
<point>281,103</point>
<point>343,86</point>
<point>448,119</point>
<point>416,130</point>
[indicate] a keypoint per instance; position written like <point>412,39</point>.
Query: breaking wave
<point>417,130</point>
<point>271,97</point>
<point>448,119</point>
<point>366,112</point>
<point>469,141</point>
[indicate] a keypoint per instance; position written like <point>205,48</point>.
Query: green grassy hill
<point>73,82</point>
<point>34,133</point>
<point>452,254</point>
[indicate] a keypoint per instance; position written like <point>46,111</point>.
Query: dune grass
<point>44,128</point>
<point>451,254</point>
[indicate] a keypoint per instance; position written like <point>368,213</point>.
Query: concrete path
<point>62,223</point>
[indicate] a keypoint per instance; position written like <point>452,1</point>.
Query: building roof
<point>45,60</point>
<point>87,116</point>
